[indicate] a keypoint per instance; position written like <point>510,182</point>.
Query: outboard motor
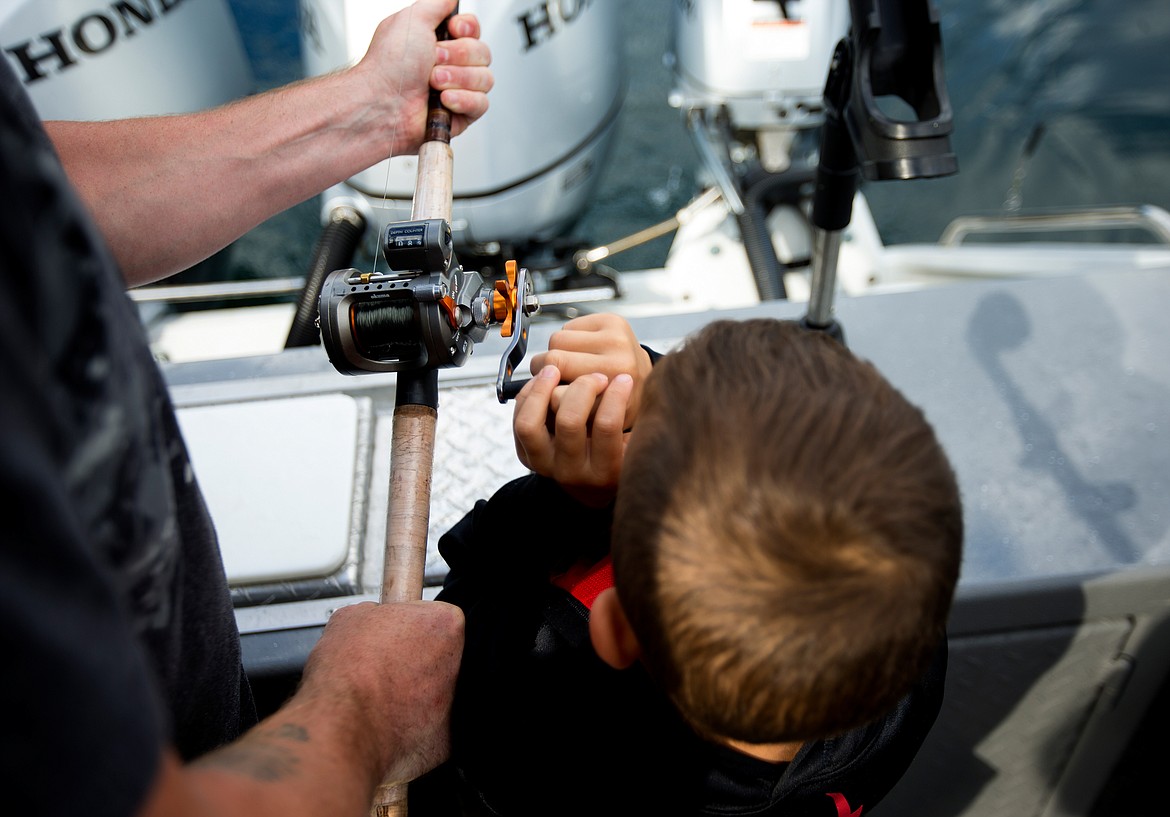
<point>749,79</point>
<point>526,171</point>
<point>99,59</point>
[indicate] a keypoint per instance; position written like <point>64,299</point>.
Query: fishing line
<point>385,330</point>
<point>397,127</point>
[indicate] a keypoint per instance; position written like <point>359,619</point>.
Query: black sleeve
<point>82,723</point>
<point>529,530</point>
<point>901,734</point>
<point>117,634</point>
<point>82,726</point>
<point>865,764</point>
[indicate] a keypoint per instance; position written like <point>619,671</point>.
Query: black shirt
<point>116,626</point>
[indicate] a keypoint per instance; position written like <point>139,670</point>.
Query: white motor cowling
<point>525,171</point>
<point>101,59</point>
<point>765,63</point>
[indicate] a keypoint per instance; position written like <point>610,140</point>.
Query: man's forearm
<point>205,179</point>
<point>292,764</point>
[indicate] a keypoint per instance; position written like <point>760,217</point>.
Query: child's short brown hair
<point>787,535</point>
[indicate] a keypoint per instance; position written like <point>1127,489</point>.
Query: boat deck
<point>1052,397</point>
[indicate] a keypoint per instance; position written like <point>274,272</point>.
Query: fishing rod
<point>425,314</point>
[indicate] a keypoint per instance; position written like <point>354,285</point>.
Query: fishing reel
<point>427,312</point>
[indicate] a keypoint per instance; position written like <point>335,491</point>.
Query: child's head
<point>787,534</point>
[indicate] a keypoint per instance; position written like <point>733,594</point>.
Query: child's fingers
<point>534,444</point>
<point>582,328</point>
<point>603,335</point>
<point>571,434</point>
<point>580,341</point>
<point>576,340</point>
<point>608,433</point>
<point>558,395</point>
<point>537,362</point>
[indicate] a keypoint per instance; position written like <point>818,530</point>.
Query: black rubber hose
<point>764,191</point>
<point>334,250</point>
<point>753,229</point>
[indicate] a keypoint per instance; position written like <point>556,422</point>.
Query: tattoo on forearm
<point>267,755</point>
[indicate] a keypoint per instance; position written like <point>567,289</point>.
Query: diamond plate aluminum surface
<point>474,455</point>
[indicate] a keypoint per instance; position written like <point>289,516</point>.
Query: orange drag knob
<point>504,300</point>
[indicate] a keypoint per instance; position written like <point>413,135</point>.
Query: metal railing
<point>1149,218</point>
<point>222,290</point>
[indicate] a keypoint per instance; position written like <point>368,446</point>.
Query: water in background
<point>1085,83</point>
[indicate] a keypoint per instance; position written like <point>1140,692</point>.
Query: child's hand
<point>583,445</point>
<point>602,343</point>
